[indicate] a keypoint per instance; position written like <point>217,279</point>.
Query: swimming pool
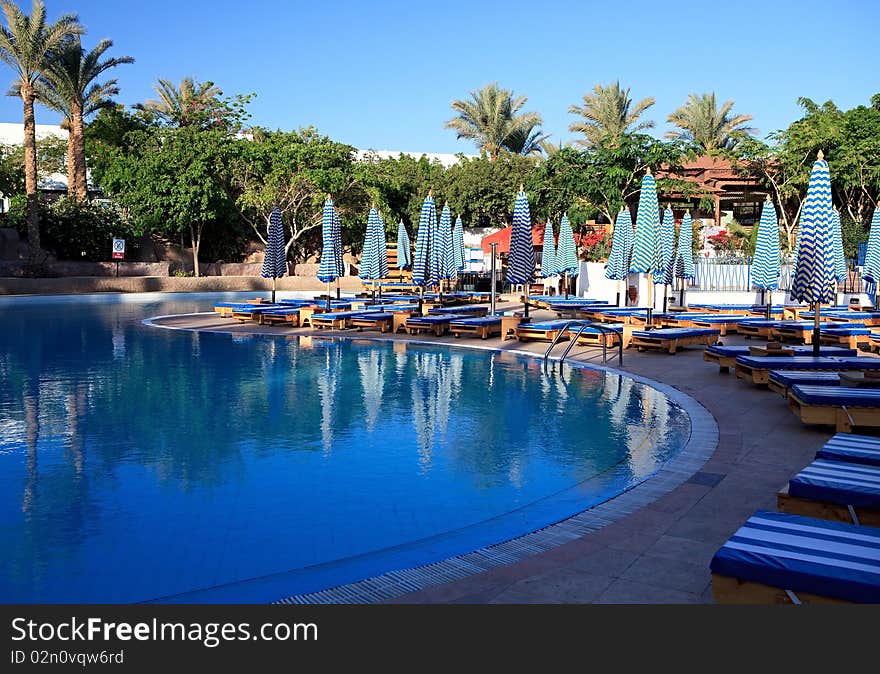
<point>140,464</point>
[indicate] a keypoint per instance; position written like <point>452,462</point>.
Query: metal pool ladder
<point>581,326</point>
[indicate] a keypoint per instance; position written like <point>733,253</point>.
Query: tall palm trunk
<point>71,169</point>
<point>79,152</point>
<point>30,173</point>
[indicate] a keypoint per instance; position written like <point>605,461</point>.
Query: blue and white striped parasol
<point>617,268</point>
<point>422,267</point>
<point>765,264</point>
<point>566,252</point>
<point>548,252</point>
<point>275,259</point>
<point>684,258</point>
<point>647,256</point>
<point>404,254</point>
<point>839,257</point>
<point>521,262</point>
<point>458,242</point>
<point>814,275</point>
<point>667,243</point>
<point>331,251</point>
<point>871,269</point>
<point>445,261</point>
<point>374,262</point>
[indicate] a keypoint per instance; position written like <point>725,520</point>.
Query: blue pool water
<point>142,464</point>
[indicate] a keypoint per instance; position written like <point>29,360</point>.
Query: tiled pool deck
<point>652,544</point>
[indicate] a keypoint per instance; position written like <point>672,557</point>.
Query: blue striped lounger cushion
<point>841,482</point>
<point>789,378</point>
<point>803,554</point>
<point>728,351</point>
<point>809,363</point>
<point>675,333</point>
<point>724,320</point>
<point>837,396</point>
<point>853,448</point>
<point>478,320</point>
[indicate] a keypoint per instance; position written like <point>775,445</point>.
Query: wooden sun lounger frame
<point>481,331</point>
<point>786,333</point>
<point>336,322</point>
<point>729,590</point>
<point>825,510</point>
<point>723,328</point>
<point>669,343</point>
<point>366,323</point>
<point>849,341</point>
<point>438,329</point>
<point>748,330</point>
<point>843,417</point>
<point>724,362</point>
<point>595,338</point>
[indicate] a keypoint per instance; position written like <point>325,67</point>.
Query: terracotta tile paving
<point>661,553</point>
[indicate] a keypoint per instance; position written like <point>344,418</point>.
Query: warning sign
<point>118,249</point>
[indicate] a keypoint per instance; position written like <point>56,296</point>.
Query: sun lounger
<point>373,320</point>
<point>801,331</point>
<point>867,318</point>
<point>725,356</point>
<point>851,335</point>
<point>290,316</point>
<point>467,310</point>
<point>479,326</point>
<point>852,448</point>
<point>254,312</point>
<point>630,315</point>
<point>337,320</point>
<point>843,407</point>
<point>724,323</point>
<point>436,323</point>
<point>834,490</point>
<point>782,380</point>
<point>671,339</point>
<point>752,327</point>
<point>757,368</point>
<point>777,558</point>
<point>543,331</point>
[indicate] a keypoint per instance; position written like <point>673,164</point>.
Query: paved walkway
<point>661,553</point>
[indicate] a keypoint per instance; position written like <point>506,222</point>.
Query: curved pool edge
<point>383,587</point>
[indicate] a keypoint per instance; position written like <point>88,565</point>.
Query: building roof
<point>502,238</point>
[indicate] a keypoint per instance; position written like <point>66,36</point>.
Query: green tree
<point>295,171</point>
<point>603,177</point>
<point>174,181</point>
<point>492,118</point>
<point>527,141</point>
<point>195,104</point>
<point>69,87</point>
<point>703,123</point>
<point>26,45</point>
<point>483,191</point>
<point>609,114</point>
<point>398,186</point>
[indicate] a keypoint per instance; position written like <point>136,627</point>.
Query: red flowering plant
<point>595,246</point>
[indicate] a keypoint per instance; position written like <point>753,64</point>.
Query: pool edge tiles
<point>409,574</point>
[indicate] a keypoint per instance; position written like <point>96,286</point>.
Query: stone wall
<point>170,284</point>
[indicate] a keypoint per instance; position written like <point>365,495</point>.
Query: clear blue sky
<point>382,74</point>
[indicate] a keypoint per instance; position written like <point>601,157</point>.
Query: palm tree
<point>527,140</point>
<point>492,119</point>
<point>610,114</point>
<point>702,123</point>
<point>69,87</point>
<point>550,148</point>
<point>26,45</point>
<point>185,106</point>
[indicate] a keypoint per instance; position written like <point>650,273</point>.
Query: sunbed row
<point>822,545</point>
